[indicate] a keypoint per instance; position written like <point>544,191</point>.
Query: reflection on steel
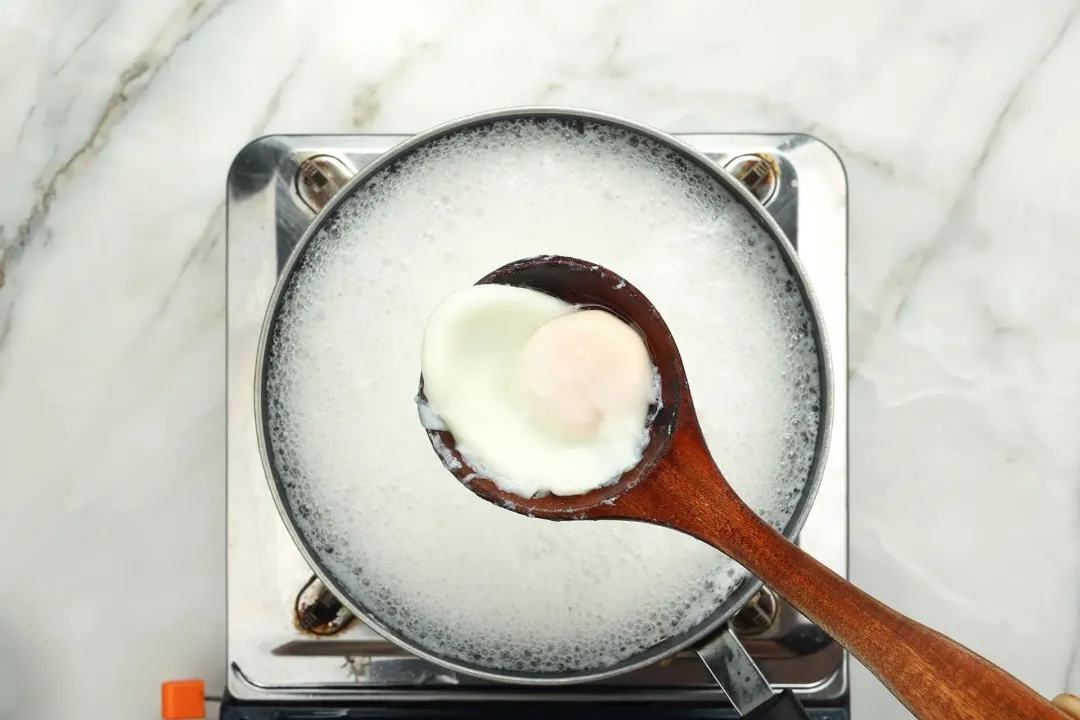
<point>734,671</point>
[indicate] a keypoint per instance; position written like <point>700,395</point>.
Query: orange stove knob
<point>183,700</point>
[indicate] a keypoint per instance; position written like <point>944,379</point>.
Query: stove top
<point>291,642</point>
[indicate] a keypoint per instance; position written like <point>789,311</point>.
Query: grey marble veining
<point>119,119</point>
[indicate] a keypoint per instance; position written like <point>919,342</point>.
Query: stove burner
<point>760,174</point>
<point>318,611</point>
<point>319,178</point>
<point>758,615</point>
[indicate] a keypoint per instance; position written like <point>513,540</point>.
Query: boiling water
<point>442,567</point>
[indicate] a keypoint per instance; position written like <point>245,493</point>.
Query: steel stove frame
<point>299,654</point>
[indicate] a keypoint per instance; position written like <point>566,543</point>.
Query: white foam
<point>443,567</point>
<point>429,420</point>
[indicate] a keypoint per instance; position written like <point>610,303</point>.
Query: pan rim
<point>744,591</point>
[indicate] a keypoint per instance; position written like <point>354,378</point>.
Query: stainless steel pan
<point>723,654</point>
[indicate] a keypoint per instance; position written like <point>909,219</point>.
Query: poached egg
<point>541,396</point>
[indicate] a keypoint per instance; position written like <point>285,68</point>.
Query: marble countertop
<point>956,122</point>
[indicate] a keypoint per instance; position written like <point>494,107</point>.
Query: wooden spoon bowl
<point>678,485</point>
<point>587,284</point>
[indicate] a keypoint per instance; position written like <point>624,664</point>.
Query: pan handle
<point>739,677</point>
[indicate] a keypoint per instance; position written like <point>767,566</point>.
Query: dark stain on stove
<point>318,612</point>
<point>356,667</point>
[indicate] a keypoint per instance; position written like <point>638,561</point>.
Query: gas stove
<point>295,652</point>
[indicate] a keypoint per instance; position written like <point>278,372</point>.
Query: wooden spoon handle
<point>933,676</point>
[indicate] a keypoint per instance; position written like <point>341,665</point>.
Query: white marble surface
<point>956,120</point>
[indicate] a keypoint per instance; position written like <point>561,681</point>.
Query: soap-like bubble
<point>437,564</point>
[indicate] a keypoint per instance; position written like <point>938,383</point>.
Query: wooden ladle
<point>678,485</point>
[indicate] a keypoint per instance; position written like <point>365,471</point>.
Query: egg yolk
<point>581,369</point>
